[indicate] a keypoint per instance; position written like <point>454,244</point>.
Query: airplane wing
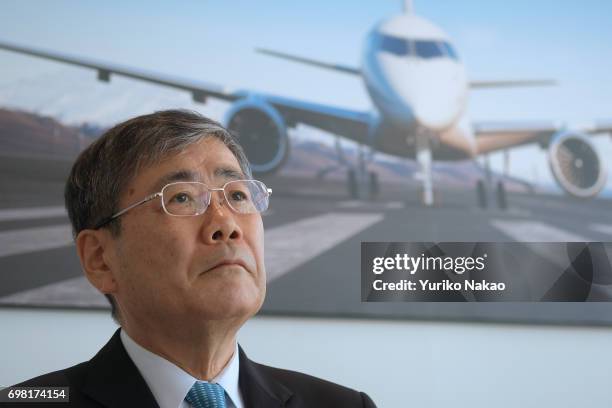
<point>308,61</point>
<point>351,124</point>
<point>348,123</point>
<point>477,84</point>
<point>199,90</point>
<point>493,136</point>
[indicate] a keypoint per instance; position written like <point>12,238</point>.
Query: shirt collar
<point>169,383</point>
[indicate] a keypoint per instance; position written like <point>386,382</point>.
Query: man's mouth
<point>236,262</point>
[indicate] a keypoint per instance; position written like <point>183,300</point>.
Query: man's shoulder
<point>71,377</point>
<point>314,389</point>
<point>66,377</point>
<point>297,378</point>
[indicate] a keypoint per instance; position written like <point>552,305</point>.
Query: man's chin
<point>228,305</point>
<point>232,314</point>
<point>231,279</point>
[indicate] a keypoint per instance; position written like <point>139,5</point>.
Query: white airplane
<point>419,90</point>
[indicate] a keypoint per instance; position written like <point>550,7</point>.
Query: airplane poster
<point>391,121</point>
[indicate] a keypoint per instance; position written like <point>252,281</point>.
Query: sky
<point>214,41</point>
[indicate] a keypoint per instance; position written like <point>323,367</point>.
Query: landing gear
<point>481,194</point>
<point>352,185</point>
<point>357,189</point>
<point>484,185</point>
<point>423,156</point>
<point>374,185</point>
<point>502,203</point>
<point>360,182</point>
<point>342,162</point>
<point>362,185</point>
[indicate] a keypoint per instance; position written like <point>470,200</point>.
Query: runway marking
<point>11,214</point>
<point>603,228</point>
<point>535,231</point>
<point>516,212</point>
<point>291,245</point>
<point>286,247</point>
<point>75,291</point>
<point>15,242</point>
<point>392,205</point>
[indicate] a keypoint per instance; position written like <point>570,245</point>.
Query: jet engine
<point>262,133</point>
<point>576,165</point>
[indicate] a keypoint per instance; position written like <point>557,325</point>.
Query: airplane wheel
<point>374,185</point>
<point>501,196</point>
<point>481,194</point>
<point>351,184</point>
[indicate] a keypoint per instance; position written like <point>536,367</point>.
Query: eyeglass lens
<point>189,198</point>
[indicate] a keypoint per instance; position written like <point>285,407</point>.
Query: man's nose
<point>219,222</point>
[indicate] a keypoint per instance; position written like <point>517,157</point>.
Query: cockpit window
<point>450,51</point>
<point>425,49</point>
<point>394,45</point>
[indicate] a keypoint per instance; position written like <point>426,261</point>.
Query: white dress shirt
<point>170,383</point>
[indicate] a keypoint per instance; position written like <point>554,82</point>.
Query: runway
<point>313,237</point>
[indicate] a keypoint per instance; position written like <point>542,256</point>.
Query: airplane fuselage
<point>418,84</point>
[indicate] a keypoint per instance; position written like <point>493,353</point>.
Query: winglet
<point>512,83</point>
<point>308,61</point>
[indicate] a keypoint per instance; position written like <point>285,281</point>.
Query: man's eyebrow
<point>190,175</point>
<point>178,175</point>
<point>229,173</point>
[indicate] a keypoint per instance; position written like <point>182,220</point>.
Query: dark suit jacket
<point>110,379</point>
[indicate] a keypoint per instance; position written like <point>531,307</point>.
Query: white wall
<point>399,364</point>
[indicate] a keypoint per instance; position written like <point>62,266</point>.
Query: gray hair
<point>103,170</point>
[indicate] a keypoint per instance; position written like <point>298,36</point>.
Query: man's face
<point>165,266</point>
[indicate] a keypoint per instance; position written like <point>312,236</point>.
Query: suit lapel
<point>258,389</point>
<point>113,379</point>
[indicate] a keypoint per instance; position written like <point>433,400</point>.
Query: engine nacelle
<point>576,165</point>
<point>262,133</point>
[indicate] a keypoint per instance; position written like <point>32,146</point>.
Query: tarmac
<point>313,236</point>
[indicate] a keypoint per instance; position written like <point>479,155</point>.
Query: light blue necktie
<point>206,395</point>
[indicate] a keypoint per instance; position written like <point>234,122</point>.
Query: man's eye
<point>181,198</point>
<point>238,196</point>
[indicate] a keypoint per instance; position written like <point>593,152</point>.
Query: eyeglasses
<point>191,198</point>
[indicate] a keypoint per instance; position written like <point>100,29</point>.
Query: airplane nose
<point>436,95</point>
<point>437,113</point>
<point>439,105</point>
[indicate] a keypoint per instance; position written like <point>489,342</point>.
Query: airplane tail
<point>408,9</point>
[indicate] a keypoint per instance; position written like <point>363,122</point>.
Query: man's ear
<point>96,251</point>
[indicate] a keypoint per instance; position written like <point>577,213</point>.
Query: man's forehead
<point>221,173</point>
<point>207,160</point>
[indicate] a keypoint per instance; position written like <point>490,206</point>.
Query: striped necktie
<point>206,395</point>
